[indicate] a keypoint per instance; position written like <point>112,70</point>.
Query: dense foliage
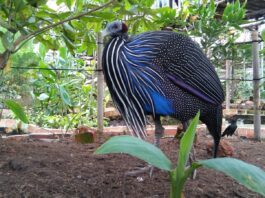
<point>63,32</point>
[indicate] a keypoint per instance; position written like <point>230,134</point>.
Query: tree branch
<point>33,34</point>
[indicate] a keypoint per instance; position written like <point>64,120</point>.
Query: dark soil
<point>66,169</point>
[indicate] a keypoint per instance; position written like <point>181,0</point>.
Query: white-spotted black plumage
<point>161,73</point>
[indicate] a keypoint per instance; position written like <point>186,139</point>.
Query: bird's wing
<point>230,130</point>
<point>181,60</point>
<point>187,67</point>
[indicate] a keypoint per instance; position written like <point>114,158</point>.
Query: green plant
<point>248,175</point>
<point>63,97</point>
<point>17,109</point>
<point>19,113</point>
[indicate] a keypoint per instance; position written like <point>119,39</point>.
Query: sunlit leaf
<point>17,109</point>
<point>65,96</point>
<point>7,40</point>
<point>246,174</point>
<point>19,5</point>
<point>137,148</point>
<point>187,141</point>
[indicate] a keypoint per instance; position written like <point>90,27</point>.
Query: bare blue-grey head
<point>114,29</point>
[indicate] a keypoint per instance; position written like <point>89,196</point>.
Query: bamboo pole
<point>256,82</point>
<point>100,85</point>
<point>228,83</point>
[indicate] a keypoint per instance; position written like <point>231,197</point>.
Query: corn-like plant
<point>246,174</point>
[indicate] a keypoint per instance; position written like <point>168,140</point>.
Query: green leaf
<point>146,3</point>
<point>17,109</point>
<point>47,72</point>
<point>69,3</point>
<point>42,50</point>
<point>263,35</point>
<point>187,141</point>
<point>137,148</point>
<point>65,96</point>
<point>246,174</point>
<point>133,2</point>
<point>7,40</point>
<point>19,4</point>
<point>63,52</point>
<point>79,5</point>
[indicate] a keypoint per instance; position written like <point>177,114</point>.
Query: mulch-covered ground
<point>66,169</point>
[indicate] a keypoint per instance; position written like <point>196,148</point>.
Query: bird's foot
<point>148,169</point>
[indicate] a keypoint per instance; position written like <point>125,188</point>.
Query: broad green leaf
<point>133,2</point>
<point>147,3</point>
<point>7,40</point>
<point>79,5</point>
<point>70,45</point>
<point>49,42</point>
<point>17,109</point>
<point>47,72</point>
<point>187,141</point>
<point>19,4</point>
<point>42,50</point>
<point>104,15</point>
<point>137,148</point>
<point>246,174</point>
<point>69,31</point>
<point>87,88</point>
<point>65,96</point>
<point>63,52</point>
<point>69,3</point>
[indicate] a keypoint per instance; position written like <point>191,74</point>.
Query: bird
<point>230,130</point>
<point>160,73</point>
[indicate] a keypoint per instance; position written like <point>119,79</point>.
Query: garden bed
<point>31,168</point>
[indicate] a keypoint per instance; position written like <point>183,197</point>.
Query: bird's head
<point>233,120</point>
<point>116,28</point>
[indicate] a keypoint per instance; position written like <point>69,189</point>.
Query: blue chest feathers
<point>162,105</point>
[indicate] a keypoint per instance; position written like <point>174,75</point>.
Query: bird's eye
<point>115,26</point>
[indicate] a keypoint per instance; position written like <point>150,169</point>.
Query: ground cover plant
<point>248,175</point>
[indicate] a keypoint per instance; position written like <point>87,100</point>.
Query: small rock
<point>15,165</point>
<point>225,149</point>
<point>140,179</point>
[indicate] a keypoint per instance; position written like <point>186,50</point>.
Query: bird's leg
<point>159,131</point>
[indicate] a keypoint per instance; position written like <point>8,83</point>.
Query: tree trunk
<point>4,58</point>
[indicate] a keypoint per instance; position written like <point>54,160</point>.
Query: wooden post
<point>100,85</point>
<point>256,81</point>
<point>228,83</point>
<point>262,67</point>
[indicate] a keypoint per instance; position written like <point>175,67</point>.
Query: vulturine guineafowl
<point>161,73</point>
